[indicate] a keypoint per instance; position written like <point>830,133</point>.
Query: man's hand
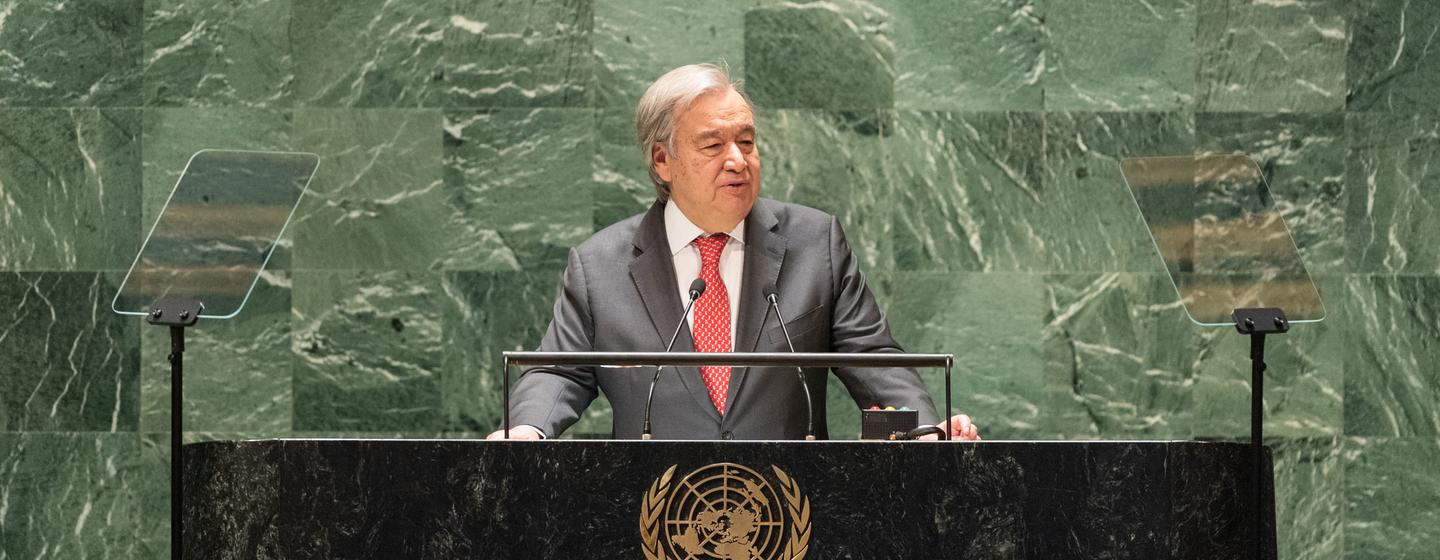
<point>518,433</point>
<point>960,429</point>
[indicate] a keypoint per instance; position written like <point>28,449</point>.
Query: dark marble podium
<point>327,499</point>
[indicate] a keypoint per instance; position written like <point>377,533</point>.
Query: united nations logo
<point>724,511</point>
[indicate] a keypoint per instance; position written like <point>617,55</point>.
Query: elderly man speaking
<point>626,287</point>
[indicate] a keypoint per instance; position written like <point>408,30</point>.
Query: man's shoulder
<point>791,214</point>
<point>614,239</point>
<point>797,222</point>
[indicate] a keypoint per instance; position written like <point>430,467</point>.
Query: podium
<point>660,499</point>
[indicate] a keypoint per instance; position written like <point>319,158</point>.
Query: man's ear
<point>660,160</point>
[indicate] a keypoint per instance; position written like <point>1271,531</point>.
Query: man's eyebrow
<point>713,133</point>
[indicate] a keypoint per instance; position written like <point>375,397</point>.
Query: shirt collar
<point>680,231</point>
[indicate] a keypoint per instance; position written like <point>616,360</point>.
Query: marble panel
<point>1388,66</point>
<point>378,201</point>
<point>172,136</point>
<point>635,43</point>
<point>972,55</point>
<point>209,53</point>
<point>1115,55</point>
<point>969,189</point>
<point>68,362</point>
<point>1394,193</point>
<point>509,53</point>
<point>820,55</point>
<point>1303,160</point>
<point>71,54</point>
<point>1309,498</point>
<point>368,350</point>
<point>990,322</point>
<point>1088,219</point>
<point>834,161</point>
<point>519,183</point>
<point>1390,496</point>
<point>69,188</point>
<point>490,313</point>
<point>237,371</point>
<point>1392,382</point>
<point>368,53</point>
<point>620,171</point>
<point>1270,56</point>
<point>70,495</point>
<point>152,489</point>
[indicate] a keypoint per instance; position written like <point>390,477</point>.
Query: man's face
<point>714,174</point>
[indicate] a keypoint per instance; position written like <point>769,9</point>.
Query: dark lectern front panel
<point>584,499</point>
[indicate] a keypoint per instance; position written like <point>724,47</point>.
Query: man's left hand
<point>961,428</point>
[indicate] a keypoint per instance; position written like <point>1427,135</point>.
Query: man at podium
<point>626,288</point>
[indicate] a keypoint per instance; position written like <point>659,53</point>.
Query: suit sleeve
<point>551,398</point>
<point>858,325</point>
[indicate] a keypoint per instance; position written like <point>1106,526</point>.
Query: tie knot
<point>710,247</point>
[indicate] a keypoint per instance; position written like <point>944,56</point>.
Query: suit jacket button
<point>727,435</point>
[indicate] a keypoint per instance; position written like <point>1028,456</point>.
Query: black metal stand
<point>178,314</point>
<point>1256,323</point>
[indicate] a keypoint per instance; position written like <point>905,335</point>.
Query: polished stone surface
<point>1119,56</point>
<point>1270,56</point>
<point>218,53</point>
<point>69,363</point>
<point>315,498</point>
<point>504,53</point>
<point>1388,66</point>
<point>1390,493</point>
<point>368,53</point>
<point>1394,193</point>
<point>69,188</point>
<point>71,54</point>
<point>91,486</point>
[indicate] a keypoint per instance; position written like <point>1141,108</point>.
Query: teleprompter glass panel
<point>217,230</point>
<point>1224,243</point>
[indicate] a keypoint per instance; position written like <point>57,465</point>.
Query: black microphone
<point>809,406</point>
<point>697,288</point>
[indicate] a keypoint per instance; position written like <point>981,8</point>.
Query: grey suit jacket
<point>619,295</point>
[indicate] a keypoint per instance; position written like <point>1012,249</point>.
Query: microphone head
<point>697,288</point>
<point>770,291</point>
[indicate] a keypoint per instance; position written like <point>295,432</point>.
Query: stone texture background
<point>970,146</point>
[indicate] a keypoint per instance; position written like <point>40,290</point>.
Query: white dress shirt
<point>681,232</point>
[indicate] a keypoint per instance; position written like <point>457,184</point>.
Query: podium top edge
<point>735,359</point>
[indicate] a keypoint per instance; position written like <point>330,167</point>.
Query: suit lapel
<point>653,272</point>
<point>764,255</point>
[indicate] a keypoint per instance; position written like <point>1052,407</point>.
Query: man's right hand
<point>518,433</point>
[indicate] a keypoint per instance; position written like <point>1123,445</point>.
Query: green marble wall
<point>969,146</point>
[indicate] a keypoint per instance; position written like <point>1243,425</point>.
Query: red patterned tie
<point>711,325</point>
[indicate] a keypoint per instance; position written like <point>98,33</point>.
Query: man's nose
<point>734,158</point>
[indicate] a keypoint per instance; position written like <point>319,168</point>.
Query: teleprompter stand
<point>1233,263</point>
<point>210,243</point>
<point>178,314</point>
<point>1256,323</point>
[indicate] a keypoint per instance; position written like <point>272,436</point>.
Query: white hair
<point>658,113</point>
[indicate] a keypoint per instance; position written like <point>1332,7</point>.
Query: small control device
<point>887,423</point>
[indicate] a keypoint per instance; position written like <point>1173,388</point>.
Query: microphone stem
<point>650,398</point>
<point>809,406</point>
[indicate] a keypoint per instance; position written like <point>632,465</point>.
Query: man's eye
<point>711,146</point>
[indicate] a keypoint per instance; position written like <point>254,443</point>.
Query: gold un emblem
<point>724,511</point>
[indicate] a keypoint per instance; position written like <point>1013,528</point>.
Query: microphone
<point>809,407</point>
<point>697,288</point>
